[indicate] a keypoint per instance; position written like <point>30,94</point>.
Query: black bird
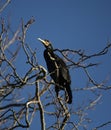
<point>58,70</point>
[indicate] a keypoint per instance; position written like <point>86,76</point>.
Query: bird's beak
<point>42,41</point>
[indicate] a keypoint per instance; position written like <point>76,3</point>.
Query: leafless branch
<point>66,114</point>
<point>5,5</point>
<point>102,125</point>
<point>17,109</point>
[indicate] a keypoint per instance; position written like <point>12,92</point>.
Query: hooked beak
<point>42,41</point>
<point>46,43</point>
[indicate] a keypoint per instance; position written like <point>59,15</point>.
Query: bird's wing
<point>63,70</point>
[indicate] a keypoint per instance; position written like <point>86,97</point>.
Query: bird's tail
<point>68,94</point>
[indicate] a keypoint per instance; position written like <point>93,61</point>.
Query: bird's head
<point>46,43</point>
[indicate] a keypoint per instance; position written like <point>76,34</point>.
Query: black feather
<point>58,71</point>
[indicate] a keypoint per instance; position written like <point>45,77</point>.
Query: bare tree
<point>16,110</point>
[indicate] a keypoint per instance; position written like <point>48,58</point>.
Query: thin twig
<point>4,6</point>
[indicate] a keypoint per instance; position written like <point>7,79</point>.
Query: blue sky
<point>74,24</point>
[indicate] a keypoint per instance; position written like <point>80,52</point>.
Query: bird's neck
<point>48,54</point>
<point>50,50</point>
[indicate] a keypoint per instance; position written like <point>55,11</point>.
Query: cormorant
<point>58,70</point>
